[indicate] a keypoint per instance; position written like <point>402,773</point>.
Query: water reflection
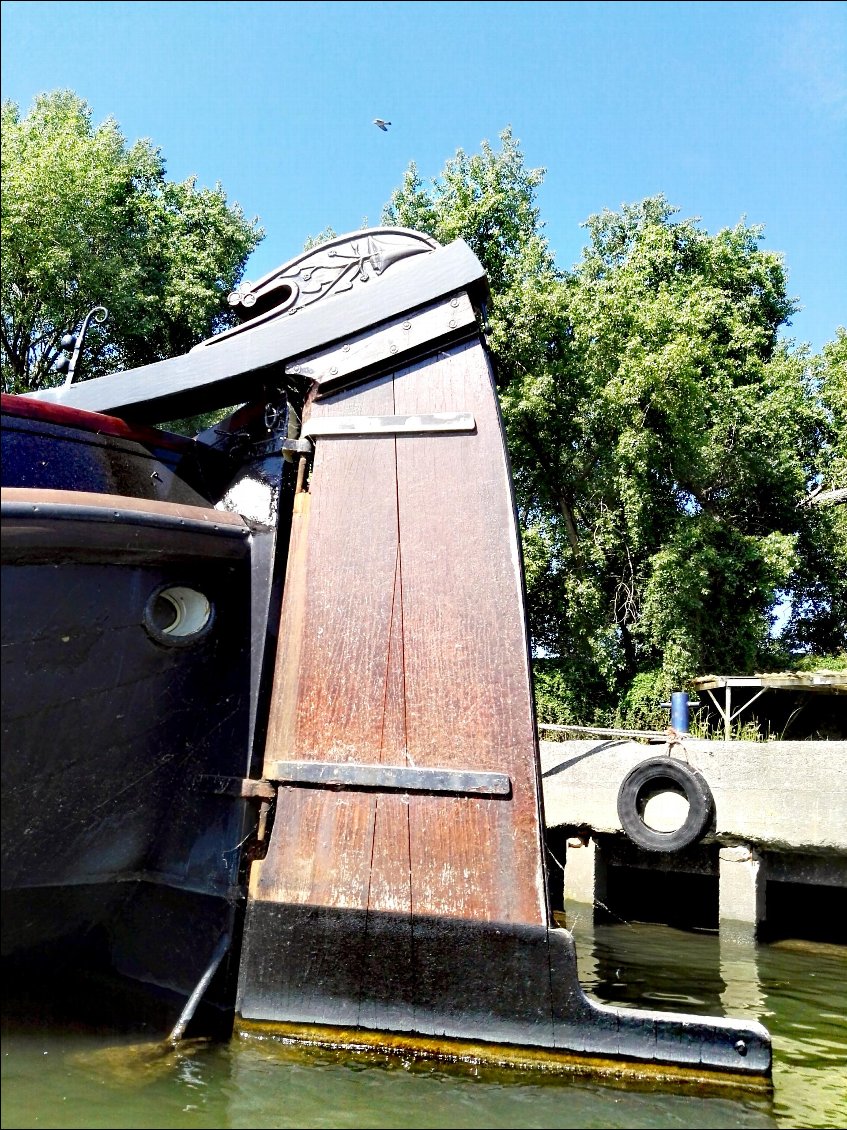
<point>62,1074</point>
<point>797,989</point>
<point>742,994</point>
<point>806,1000</point>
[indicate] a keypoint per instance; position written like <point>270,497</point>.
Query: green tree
<point>663,437</point>
<point>488,200</point>
<point>89,220</point>
<point>832,376</point>
<point>819,590</point>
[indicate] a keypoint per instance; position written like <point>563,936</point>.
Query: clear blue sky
<point>732,110</point>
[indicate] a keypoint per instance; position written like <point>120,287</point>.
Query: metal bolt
<point>333,371</point>
<point>741,1047</point>
<point>392,349</point>
<point>454,302</point>
<point>295,368</point>
<point>345,348</point>
<point>407,325</point>
<point>452,323</point>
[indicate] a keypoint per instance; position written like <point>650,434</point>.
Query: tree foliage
<point>663,435</point>
<point>819,590</point>
<point>832,375</point>
<point>89,220</point>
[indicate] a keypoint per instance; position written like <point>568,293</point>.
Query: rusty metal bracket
<point>298,446</point>
<point>247,787</point>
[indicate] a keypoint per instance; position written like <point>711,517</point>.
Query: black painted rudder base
<point>453,979</point>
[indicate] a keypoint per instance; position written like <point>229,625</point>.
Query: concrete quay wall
<point>780,815</point>
<point>782,796</point>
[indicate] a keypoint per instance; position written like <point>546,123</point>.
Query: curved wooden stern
<point>402,901</point>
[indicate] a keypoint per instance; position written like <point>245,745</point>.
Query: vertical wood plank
<point>467,679</point>
<point>331,670</point>
<point>387,996</point>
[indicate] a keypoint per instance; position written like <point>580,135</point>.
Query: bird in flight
<point>382,124</point>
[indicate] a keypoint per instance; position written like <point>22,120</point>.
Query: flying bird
<point>382,124</point>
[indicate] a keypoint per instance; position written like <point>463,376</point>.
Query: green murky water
<point>60,1075</point>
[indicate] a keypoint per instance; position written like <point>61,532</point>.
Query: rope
<point>670,734</point>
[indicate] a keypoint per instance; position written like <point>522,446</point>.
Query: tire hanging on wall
<point>660,774</point>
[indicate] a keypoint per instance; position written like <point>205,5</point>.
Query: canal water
<point>61,1074</point>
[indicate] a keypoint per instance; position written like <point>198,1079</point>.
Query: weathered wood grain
<point>403,642</point>
<point>333,664</point>
<point>467,676</point>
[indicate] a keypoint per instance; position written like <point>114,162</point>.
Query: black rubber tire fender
<point>647,777</point>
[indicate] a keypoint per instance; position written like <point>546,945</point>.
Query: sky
<point>735,111</point>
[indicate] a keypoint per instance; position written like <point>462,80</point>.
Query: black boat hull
<point>124,742</point>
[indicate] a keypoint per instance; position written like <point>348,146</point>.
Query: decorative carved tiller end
<point>331,268</point>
